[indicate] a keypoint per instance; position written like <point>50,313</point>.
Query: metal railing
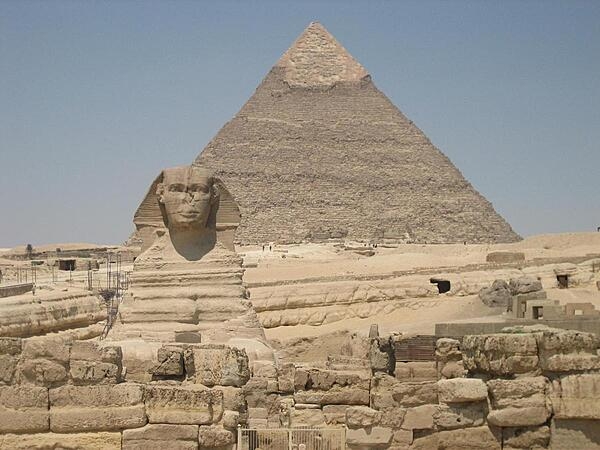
<point>291,439</point>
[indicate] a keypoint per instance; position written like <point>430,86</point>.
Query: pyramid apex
<point>316,58</point>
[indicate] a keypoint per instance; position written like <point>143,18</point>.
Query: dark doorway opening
<point>538,312</point>
<point>442,285</point>
<point>563,281</point>
<point>66,264</point>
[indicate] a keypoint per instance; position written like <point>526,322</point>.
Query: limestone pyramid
<point>319,152</point>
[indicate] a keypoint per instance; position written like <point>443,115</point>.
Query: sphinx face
<point>187,196</point>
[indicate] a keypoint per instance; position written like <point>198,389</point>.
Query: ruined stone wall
<point>59,393</point>
<point>522,389</point>
<point>533,388</point>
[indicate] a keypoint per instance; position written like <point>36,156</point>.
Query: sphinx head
<point>188,198</point>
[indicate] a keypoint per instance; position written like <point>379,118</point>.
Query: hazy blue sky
<point>97,97</point>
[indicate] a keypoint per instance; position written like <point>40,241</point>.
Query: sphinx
<point>186,285</point>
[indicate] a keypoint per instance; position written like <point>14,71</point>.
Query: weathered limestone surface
<point>23,409</point>
<point>568,434</point>
<point>461,390</point>
<point>577,397</point>
<point>183,404</point>
<point>498,294</point>
<point>92,364</point>
<point>500,354</point>
<point>70,441</point>
<point>214,364</point>
<point>161,436</point>
<point>47,311</point>
<point>97,408</point>
<point>328,387</point>
<point>294,159</point>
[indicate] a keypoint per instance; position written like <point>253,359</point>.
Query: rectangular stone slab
<point>23,409</point>
<point>176,404</point>
<point>97,408</point>
<point>44,441</point>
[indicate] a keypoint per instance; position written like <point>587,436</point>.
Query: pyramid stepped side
<point>332,157</point>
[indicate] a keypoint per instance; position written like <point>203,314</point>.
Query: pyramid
<point>319,152</point>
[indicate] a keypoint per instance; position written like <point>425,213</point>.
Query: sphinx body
<point>187,285</point>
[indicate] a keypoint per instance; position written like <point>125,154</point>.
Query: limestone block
<point>285,378</point>
<point>329,387</point>
<point>54,348</point>
<point>526,438</point>
<point>256,395</point>
<point>447,348</point>
<point>70,441</point>
<point>416,371</point>
<point>460,415</point>
<point>500,354</point>
<point>8,365</point>
<point>97,408</point>
<point>335,414</point>
<point>93,351</point>
<point>460,390</point>
<point>90,372</point>
<point>420,417</point>
<point>570,434</point>
<point>161,436</point>
<point>578,397</point>
<point>214,436</point>
<point>519,393</point>
<point>231,419</point>
<point>392,417</point>
<point>567,350</point>
<point>478,438</point>
<point>372,438</point>
<point>308,418</point>
<point>213,364</point>
<point>41,372</point>
<point>518,417</point>
<point>233,398</point>
<point>448,359</point>
<point>264,369</point>
<point>92,364</point>
<point>520,402</point>
<point>23,409</point>
<point>362,417</point>
<point>402,393</point>
<point>44,361</point>
<point>403,438</point>
<point>497,295</point>
<point>258,413</point>
<point>381,355</point>
<point>170,362</point>
<point>183,404</point>
<point>10,346</point>
<point>524,285</point>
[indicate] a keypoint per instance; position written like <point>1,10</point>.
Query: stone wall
<point>59,393</point>
<point>525,388</point>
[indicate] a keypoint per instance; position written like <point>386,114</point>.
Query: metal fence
<point>291,439</point>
